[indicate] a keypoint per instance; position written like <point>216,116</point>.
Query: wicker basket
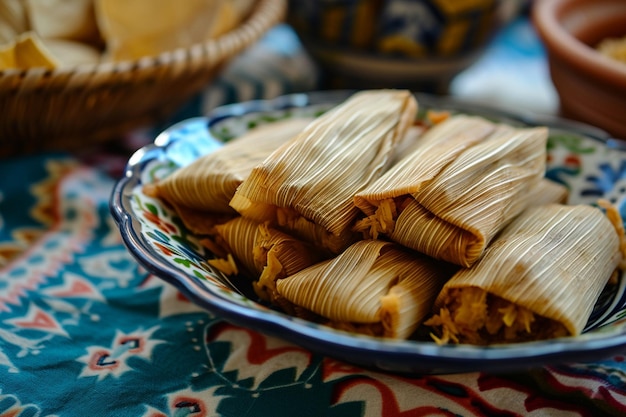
<point>68,109</point>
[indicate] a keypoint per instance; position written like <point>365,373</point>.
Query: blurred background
<point>127,77</point>
<point>481,50</point>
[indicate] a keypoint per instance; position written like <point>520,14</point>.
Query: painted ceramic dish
<point>585,159</point>
<point>418,44</point>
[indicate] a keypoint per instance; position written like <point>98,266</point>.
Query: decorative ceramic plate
<point>585,159</point>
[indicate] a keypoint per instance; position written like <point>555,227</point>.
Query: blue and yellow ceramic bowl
<point>418,44</point>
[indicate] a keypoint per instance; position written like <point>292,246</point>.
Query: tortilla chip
<point>71,53</point>
<point>136,28</point>
<point>27,51</point>
<point>62,19</point>
<point>13,20</point>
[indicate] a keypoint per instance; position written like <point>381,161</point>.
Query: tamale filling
<point>226,265</point>
<point>472,315</point>
<point>383,221</point>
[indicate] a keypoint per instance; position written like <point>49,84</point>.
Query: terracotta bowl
<point>417,44</point>
<point>591,86</point>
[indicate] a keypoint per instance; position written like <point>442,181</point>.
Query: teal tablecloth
<point>85,331</point>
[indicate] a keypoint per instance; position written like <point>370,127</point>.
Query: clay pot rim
<point>546,15</point>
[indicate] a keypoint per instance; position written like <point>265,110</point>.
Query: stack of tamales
<point>352,220</point>
<point>308,185</point>
<point>201,191</point>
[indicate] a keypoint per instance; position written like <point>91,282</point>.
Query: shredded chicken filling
<point>383,221</point>
<point>471,315</point>
<point>265,287</point>
<point>227,265</point>
<point>376,329</point>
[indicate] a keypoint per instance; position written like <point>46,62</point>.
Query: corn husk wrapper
<point>307,186</point>
<point>539,279</point>
<point>201,222</point>
<point>373,287</point>
<point>209,183</point>
<point>548,192</point>
<point>449,200</point>
<point>410,139</point>
<point>265,254</point>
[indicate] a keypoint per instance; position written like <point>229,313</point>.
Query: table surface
<point>85,331</point>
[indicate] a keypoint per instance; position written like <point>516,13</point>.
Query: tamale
<point>547,192</point>
<point>208,183</point>
<point>449,197</point>
<point>264,254</point>
<point>539,279</point>
<point>307,186</point>
<point>201,222</point>
<point>373,287</point>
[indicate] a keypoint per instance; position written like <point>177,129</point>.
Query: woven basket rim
<point>265,14</point>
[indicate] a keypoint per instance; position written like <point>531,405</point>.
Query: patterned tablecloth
<point>85,331</point>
